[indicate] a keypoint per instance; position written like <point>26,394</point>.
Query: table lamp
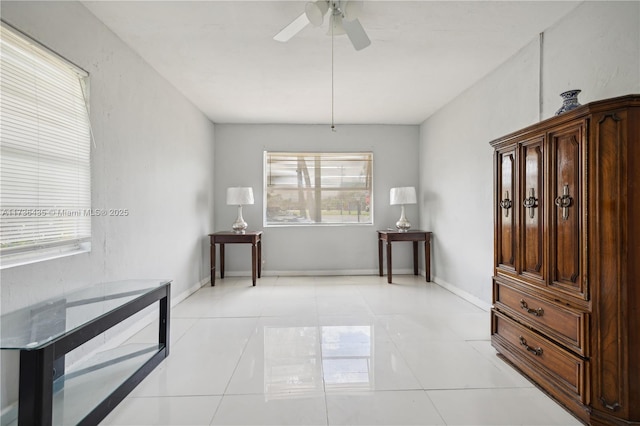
<point>402,196</point>
<point>239,196</point>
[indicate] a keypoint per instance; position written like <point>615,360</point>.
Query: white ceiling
<point>222,56</point>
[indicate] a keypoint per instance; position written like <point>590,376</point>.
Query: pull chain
<point>333,127</point>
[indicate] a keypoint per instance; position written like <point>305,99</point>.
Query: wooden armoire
<point>566,285</point>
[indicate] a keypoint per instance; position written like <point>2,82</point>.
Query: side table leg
<point>380,257</point>
<point>221,261</point>
<point>213,264</point>
<point>389,262</point>
<point>427,259</point>
<point>259,258</point>
<point>415,257</point>
<point>254,262</point>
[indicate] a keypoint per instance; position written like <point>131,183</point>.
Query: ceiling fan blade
<point>356,34</point>
<point>292,29</point>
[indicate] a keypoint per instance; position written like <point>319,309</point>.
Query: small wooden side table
<point>412,235</point>
<point>228,237</point>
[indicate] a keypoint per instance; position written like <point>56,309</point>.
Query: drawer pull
<point>614,407</point>
<point>535,351</point>
<point>537,312</point>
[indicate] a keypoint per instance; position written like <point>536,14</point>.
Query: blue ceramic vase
<point>569,101</point>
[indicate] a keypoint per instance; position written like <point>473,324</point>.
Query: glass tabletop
<point>35,326</point>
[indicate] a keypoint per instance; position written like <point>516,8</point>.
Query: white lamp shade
<point>403,195</point>
<point>239,196</point>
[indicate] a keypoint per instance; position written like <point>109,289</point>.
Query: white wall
<point>595,48</point>
<point>315,249</point>
<point>153,155</point>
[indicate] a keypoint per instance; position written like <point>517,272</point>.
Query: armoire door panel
<point>566,217</point>
<point>609,268</point>
<point>531,205</point>
<point>506,241</point>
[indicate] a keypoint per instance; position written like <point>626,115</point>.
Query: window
<point>45,141</point>
<point>304,188</point>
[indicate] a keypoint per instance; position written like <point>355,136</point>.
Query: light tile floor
<point>332,351</point>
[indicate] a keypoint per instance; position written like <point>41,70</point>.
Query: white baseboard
<point>188,292</point>
<point>309,273</point>
<point>323,273</point>
<point>463,294</point>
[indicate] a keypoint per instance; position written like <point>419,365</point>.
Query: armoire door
<point>567,238</point>
<point>506,210</point>
<point>532,207</point>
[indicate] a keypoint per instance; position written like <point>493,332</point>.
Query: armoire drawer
<point>550,362</point>
<point>566,326</point>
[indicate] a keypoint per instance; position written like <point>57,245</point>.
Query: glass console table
<point>88,390</point>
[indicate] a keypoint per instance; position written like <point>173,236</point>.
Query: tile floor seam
<point>239,358</point>
<point>182,335</point>
<point>215,412</point>
<point>444,422</point>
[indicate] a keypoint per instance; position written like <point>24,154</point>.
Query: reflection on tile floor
<point>332,351</point>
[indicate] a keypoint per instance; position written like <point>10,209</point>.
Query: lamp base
<point>239,226</point>
<point>403,225</point>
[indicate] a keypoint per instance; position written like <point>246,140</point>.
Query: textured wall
<point>153,155</point>
<point>323,249</point>
<point>596,48</point>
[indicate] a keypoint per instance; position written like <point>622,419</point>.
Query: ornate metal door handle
<point>564,201</point>
<point>537,312</point>
<point>506,204</point>
<point>531,203</point>
<point>535,351</point>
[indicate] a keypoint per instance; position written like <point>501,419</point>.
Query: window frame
<point>58,145</point>
<point>328,154</point>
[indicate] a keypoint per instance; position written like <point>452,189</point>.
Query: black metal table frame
<point>37,365</point>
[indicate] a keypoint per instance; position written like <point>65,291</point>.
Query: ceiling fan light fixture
<point>335,23</point>
<point>315,11</point>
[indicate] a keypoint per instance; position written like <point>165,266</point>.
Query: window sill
<point>314,225</point>
<point>21,259</point>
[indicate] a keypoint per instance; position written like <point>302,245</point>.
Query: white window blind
<point>45,142</point>
<point>318,188</point>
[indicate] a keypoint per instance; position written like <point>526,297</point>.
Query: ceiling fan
<point>343,19</point>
